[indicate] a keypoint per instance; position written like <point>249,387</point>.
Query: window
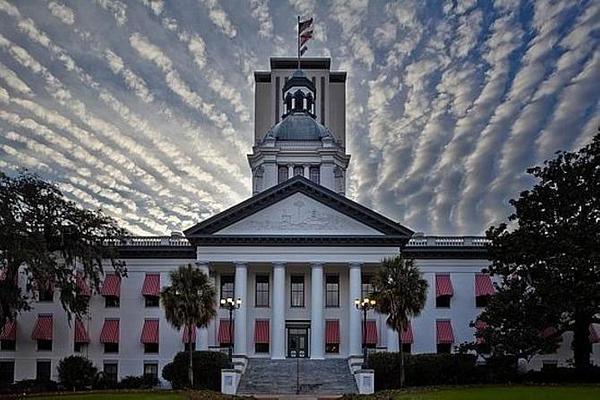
<point>42,372</point>
<point>111,371</point>
<point>282,174</point>
<point>8,345</point>
<point>111,347</point>
<point>406,348</point>
<point>444,348</point>
<point>7,373</point>
<point>151,370</point>
<point>366,288</point>
<point>332,348</point>
<point>297,299</point>
<point>261,347</point>
<point>298,170</point>
<point>112,302</point>
<point>442,301</point>
<point>44,345</point>
<point>151,348</point>
<point>315,174</point>
<point>152,301</point>
<point>482,301</point>
<point>187,346</point>
<point>46,294</point>
<point>332,290</point>
<point>78,347</point>
<point>262,291</point>
<point>227,286</point>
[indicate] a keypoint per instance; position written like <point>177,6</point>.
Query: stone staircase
<point>278,377</point>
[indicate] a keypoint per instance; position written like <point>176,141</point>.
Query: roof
<point>305,63</point>
<point>298,126</point>
<point>394,234</point>
<point>297,79</point>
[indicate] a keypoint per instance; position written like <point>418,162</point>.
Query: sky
<point>145,108</point>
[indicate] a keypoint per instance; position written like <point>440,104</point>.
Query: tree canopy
<point>550,250</point>
<point>44,240</point>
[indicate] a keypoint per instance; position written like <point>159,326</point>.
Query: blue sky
<point>145,108</point>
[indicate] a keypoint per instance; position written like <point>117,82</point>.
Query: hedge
<point>438,369</point>
<point>207,370</point>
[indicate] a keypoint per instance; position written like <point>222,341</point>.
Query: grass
<point>119,396</point>
<point>496,393</point>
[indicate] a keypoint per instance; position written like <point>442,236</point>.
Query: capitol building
<point>298,252</point>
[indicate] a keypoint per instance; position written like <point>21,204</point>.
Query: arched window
<point>338,175</point>
<point>298,170</point>
<point>315,174</point>
<point>258,179</point>
<point>282,174</point>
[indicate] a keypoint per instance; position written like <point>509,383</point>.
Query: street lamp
<point>231,305</point>
<point>364,305</point>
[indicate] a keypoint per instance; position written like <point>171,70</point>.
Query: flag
<point>305,33</point>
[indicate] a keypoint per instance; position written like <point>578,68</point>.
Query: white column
<point>278,321</point>
<point>290,171</point>
<point>307,171</point>
<point>392,340</point>
<point>202,342</point>
<point>241,282</point>
<point>317,324</point>
<point>355,328</point>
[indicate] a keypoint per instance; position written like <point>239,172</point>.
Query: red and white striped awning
<point>84,288</point>
<point>110,331</point>
<point>483,285</point>
<point>479,325</point>
<point>261,331</point>
<point>149,331</point>
<point>223,336</point>
<point>9,331</point>
<point>595,333</point>
<point>151,285</point>
<point>407,334</point>
<point>185,336</point>
<point>111,286</point>
<point>444,332</point>
<point>81,335</point>
<point>332,331</point>
<point>443,285</point>
<point>43,328</point>
<point>371,334</point>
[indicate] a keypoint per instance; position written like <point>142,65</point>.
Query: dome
<point>299,79</point>
<point>298,126</point>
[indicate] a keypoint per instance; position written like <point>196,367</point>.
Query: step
<point>297,377</point>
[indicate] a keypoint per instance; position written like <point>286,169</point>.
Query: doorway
<point>297,342</point>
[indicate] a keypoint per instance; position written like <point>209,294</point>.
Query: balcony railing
<point>419,241</point>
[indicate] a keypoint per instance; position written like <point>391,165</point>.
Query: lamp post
<point>364,305</point>
<point>231,305</point>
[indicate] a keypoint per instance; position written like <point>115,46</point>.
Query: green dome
<point>298,126</point>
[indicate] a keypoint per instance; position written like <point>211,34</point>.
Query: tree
<point>76,372</point>
<point>190,301</point>
<point>553,244</point>
<point>400,292</point>
<point>516,322</point>
<point>47,236</point>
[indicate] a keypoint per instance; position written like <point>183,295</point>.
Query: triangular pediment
<point>298,211</point>
<point>298,214</point>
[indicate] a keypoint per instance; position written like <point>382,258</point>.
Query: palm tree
<point>400,292</point>
<point>189,302</point>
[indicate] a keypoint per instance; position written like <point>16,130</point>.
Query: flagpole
<point>298,38</point>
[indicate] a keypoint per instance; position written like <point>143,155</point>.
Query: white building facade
<point>298,253</point>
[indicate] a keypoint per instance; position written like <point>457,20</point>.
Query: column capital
<point>355,264</point>
<point>278,264</point>
<point>240,264</point>
<point>316,264</point>
<point>202,263</point>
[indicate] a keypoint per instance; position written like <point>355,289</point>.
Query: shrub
<point>76,372</point>
<point>138,382</point>
<point>207,370</point>
<point>563,375</point>
<point>34,386</point>
<point>101,382</point>
<point>423,369</point>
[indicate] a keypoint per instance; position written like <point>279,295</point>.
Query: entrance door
<point>297,342</point>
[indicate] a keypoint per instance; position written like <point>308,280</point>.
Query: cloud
<point>62,12</point>
<point>219,17</point>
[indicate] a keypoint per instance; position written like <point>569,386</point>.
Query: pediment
<point>298,214</point>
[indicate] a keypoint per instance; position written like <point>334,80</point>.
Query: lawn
<point>499,393</point>
<point>118,396</point>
